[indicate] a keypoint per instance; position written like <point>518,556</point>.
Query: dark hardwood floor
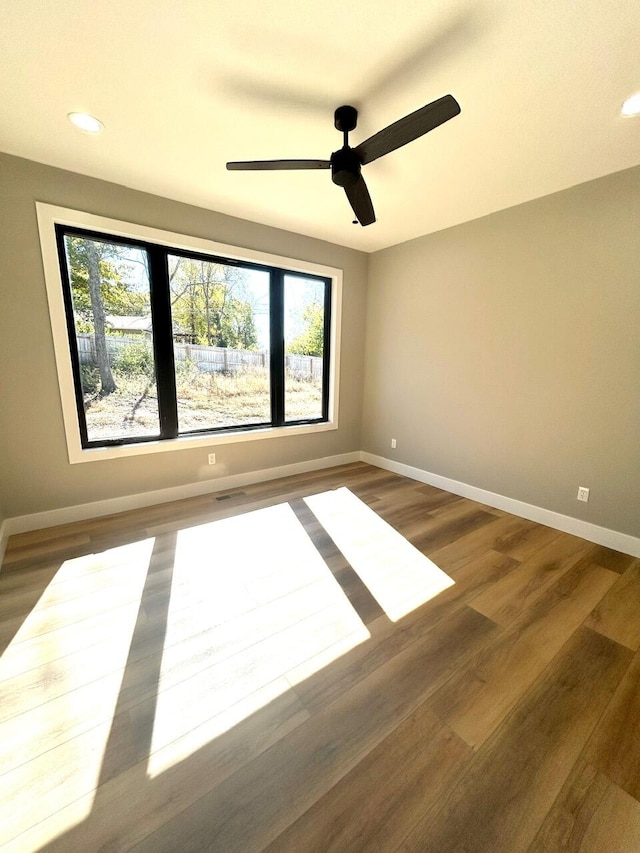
<point>346,660</point>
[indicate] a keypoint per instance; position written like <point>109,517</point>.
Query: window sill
<point>98,454</point>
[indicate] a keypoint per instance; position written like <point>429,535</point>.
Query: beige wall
<point>505,352</point>
<point>35,474</point>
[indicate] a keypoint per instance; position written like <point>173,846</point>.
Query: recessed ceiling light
<point>631,106</point>
<point>85,122</point>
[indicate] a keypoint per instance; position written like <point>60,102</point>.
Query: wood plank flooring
<point>215,675</point>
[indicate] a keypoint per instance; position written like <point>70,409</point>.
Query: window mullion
<point>276,323</point>
<point>326,351</point>
<point>163,340</point>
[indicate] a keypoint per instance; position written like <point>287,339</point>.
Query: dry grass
<point>205,400</point>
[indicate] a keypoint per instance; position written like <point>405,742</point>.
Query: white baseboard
<point>592,532</point>
<point>95,509</point>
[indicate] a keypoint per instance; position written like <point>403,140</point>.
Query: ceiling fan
<point>346,163</point>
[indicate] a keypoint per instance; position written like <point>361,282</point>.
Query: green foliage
<point>209,300</point>
<point>186,372</point>
<point>118,296</point>
<point>237,327</point>
<point>209,304</point>
<point>90,376</point>
<point>311,340</point>
<point>135,360</point>
<point>84,327</point>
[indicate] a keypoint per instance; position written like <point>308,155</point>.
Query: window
<point>166,343</point>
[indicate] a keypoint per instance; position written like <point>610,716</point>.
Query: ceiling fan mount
<point>346,163</point>
<point>345,119</point>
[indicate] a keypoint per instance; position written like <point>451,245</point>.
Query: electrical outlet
<point>212,459</point>
<point>393,443</point>
<point>583,493</point>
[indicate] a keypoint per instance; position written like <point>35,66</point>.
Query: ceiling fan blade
<point>360,201</point>
<point>268,165</point>
<point>407,129</point>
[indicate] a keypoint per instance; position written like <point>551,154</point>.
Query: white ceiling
<point>182,86</point>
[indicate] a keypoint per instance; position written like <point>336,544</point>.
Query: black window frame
<point>162,337</point>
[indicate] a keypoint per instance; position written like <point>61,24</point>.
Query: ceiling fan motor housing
<point>345,167</point>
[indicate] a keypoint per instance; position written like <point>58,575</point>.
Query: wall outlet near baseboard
<point>212,459</point>
<point>393,443</point>
<point>583,493</point>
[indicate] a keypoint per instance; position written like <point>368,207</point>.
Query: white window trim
<point>49,215</point>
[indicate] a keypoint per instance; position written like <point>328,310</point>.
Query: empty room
<point>320,478</point>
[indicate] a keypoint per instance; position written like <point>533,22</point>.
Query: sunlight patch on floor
<point>235,613</point>
<point>263,603</point>
<point>79,590</point>
<point>56,711</point>
<point>398,576</point>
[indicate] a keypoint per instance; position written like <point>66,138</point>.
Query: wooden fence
<point>207,359</point>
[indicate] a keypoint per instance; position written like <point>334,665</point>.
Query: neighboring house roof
<point>128,324</point>
<point>125,323</point>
